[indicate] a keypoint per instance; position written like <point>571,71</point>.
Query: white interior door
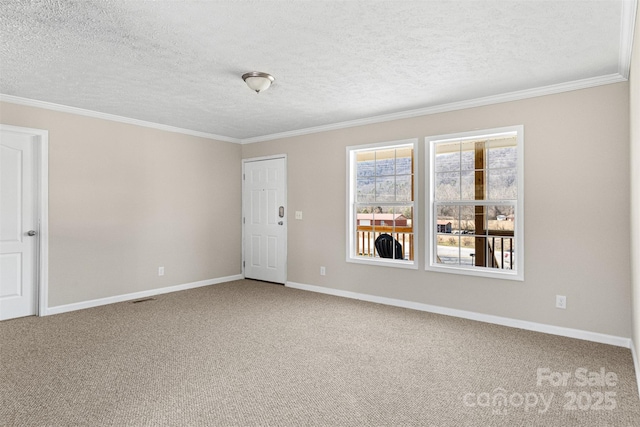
<point>18,225</point>
<point>265,220</point>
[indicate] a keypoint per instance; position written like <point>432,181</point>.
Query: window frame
<point>431,263</point>
<point>351,222</point>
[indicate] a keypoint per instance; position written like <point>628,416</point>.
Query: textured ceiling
<point>179,63</point>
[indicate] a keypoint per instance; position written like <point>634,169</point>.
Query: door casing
<point>244,208</point>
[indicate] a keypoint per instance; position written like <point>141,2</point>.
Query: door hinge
<point>244,220</point>
<point>244,177</point>
<point>243,264</point>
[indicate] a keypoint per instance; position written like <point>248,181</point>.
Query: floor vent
<point>142,300</point>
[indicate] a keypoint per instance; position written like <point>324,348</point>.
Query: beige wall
<point>576,212</point>
<point>125,199</point>
<point>634,81</point>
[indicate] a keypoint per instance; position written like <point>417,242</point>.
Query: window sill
<point>382,262</point>
<point>477,272</point>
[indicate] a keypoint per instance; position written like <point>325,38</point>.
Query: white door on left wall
<point>18,225</point>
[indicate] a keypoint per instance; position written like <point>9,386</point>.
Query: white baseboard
<point>137,295</point>
<point>636,364</point>
<point>487,318</point>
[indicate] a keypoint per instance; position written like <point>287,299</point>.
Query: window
<point>381,211</point>
<point>475,203</point>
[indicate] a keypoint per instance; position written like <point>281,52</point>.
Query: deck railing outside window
<point>496,249</point>
<point>366,236</point>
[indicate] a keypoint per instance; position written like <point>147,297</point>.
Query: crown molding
<point>627,26</point>
<point>112,117</point>
<point>478,102</point>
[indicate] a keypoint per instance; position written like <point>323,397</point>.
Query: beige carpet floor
<point>248,353</point>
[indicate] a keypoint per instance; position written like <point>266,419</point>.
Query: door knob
<point>31,233</point>
<point>280,223</point>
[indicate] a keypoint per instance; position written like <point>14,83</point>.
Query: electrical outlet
<point>323,271</point>
<point>561,301</point>
<point>298,214</point>
<point>160,271</point>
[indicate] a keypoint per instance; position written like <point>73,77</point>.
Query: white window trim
<point>430,263</point>
<point>351,182</point>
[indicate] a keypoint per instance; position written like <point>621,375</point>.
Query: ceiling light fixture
<point>258,81</point>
